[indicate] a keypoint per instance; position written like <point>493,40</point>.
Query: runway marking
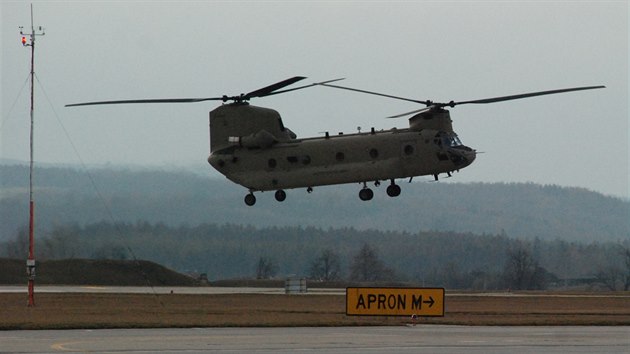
<point>62,346</point>
<point>94,287</point>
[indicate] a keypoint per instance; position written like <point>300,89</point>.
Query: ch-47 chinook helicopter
<point>251,146</point>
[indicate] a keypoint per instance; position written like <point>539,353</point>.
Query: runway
<point>159,290</point>
<point>8,289</point>
<point>402,339</point>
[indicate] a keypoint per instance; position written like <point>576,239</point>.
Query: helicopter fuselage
<point>262,161</point>
<point>351,158</point>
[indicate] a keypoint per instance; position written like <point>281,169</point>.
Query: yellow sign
<point>395,301</point>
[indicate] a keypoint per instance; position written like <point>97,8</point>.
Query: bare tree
<point>610,277</point>
<point>616,275</point>
<point>367,266</point>
<point>625,253</point>
<point>326,266</point>
<point>18,247</point>
<point>521,271</point>
<point>265,268</point>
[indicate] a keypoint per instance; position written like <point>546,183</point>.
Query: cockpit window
<point>450,139</point>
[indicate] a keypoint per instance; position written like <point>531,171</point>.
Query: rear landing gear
<point>250,199</point>
<point>393,190</point>
<point>366,193</point>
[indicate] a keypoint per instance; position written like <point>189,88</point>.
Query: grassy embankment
<point>177,310</point>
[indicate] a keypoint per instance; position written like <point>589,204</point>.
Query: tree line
<point>524,210</point>
<point>428,258</point>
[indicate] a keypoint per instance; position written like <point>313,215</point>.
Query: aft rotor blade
<point>159,100</point>
<point>425,109</point>
<point>525,95</point>
<point>377,94</point>
<point>265,91</point>
<point>268,90</point>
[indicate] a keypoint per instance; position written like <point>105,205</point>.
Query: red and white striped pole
<point>30,261</point>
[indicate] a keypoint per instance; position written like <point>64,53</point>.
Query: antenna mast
<point>30,261</point>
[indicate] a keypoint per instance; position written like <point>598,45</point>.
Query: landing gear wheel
<point>280,195</point>
<point>366,194</point>
<point>393,190</point>
<point>250,199</point>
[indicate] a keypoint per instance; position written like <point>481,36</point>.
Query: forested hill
<point>74,196</point>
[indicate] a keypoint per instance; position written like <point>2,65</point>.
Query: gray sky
<point>456,50</point>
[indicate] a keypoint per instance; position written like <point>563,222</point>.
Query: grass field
<point>54,311</point>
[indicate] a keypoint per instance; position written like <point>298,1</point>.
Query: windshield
<point>450,139</point>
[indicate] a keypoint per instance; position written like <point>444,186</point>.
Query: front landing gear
<point>280,195</point>
<point>250,199</point>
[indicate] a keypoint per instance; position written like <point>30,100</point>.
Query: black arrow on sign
<point>430,301</point>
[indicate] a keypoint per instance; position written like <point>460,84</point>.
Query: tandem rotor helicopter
<point>251,146</point>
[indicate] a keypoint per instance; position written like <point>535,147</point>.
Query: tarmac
<point>392,340</point>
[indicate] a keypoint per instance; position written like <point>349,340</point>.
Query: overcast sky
<point>438,50</point>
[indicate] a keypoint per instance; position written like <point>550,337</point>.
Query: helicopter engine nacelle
<point>435,119</point>
<point>262,139</point>
<point>249,125</point>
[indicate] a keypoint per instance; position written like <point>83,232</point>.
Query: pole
<point>30,261</point>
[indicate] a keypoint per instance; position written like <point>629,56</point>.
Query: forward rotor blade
<point>305,86</point>
<point>268,90</point>
<point>376,93</point>
<point>163,100</point>
<point>525,95</point>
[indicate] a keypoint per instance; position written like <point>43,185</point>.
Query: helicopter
<point>251,146</point>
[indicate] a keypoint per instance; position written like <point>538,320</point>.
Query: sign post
<point>419,302</point>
